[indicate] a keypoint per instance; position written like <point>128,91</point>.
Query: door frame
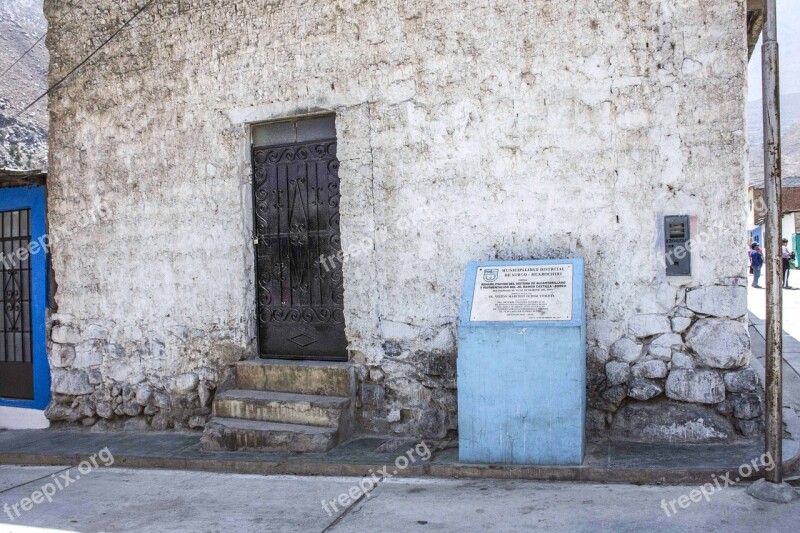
<point>33,197</point>
<point>260,354</point>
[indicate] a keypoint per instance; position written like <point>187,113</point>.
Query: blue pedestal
<point>522,385</point>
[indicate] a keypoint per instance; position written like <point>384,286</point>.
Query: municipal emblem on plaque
<point>491,274</point>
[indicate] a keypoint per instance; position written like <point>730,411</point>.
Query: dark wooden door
<point>296,198</point>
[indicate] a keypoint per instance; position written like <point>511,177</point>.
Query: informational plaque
<point>530,293</point>
<point>522,363</point>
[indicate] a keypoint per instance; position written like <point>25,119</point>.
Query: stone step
<point>283,407</point>
<point>301,377</point>
<point>237,434</point>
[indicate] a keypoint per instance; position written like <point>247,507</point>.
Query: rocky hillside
<point>23,139</point>
<point>790,137</point>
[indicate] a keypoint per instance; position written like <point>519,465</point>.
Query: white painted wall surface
<point>19,418</point>
<point>479,130</point>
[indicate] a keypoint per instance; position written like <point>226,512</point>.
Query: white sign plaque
<point>524,293</point>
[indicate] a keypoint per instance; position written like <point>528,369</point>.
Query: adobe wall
<point>467,130</point>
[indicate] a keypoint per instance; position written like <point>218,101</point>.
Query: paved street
<point>160,500</point>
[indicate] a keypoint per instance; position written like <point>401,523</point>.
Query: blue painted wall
<point>757,235</point>
<point>33,198</point>
<point>522,385</point>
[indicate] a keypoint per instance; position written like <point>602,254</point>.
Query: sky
<point>788,50</point>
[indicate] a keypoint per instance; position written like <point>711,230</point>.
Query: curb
<point>791,421</point>
<point>434,469</point>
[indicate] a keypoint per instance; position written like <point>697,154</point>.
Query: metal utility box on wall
<point>678,258</point>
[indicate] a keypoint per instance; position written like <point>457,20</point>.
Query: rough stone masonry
<point>466,131</point>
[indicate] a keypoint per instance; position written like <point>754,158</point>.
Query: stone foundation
<point>126,378</point>
<point>683,376</point>
<point>680,376</point>
<point>409,393</point>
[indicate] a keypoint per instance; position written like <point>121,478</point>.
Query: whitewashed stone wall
<point>467,130</point>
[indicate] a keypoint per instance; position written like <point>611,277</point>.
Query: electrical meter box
<point>676,236</point>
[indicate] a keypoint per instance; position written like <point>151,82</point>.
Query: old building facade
<point>430,134</point>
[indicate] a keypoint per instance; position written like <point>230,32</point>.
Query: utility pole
<point>772,195</point>
<point>772,487</point>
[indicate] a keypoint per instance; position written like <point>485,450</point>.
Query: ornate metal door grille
<point>16,352</point>
<point>296,198</point>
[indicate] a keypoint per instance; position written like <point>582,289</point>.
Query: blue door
<point>24,370</point>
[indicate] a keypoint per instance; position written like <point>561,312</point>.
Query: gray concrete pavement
<point>482,505</point>
<point>163,501</point>
<point>756,304</point>
<point>11,477</point>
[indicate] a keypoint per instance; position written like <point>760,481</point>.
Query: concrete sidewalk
<point>606,460</point>
<point>164,501</point>
<point>756,304</point>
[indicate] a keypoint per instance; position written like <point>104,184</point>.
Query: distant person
<point>756,262</point>
<point>786,262</point>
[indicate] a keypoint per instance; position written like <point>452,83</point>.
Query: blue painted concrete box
<point>522,383</point>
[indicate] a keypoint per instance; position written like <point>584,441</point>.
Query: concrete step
<point>301,377</point>
<point>283,407</point>
<point>237,434</point>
